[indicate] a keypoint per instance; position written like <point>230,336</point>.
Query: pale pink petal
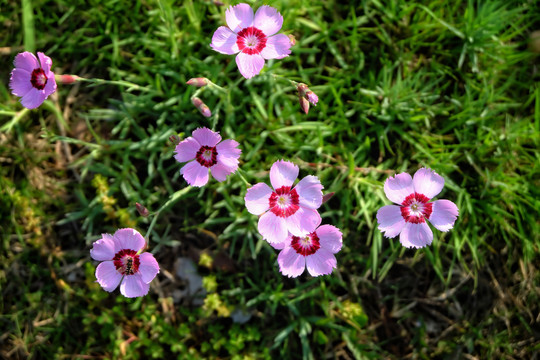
<point>291,263</point>
<point>187,149</point>
<point>195,174</point>
<point>444,214</point>
<point>428,182</point>
<point>228,153</point>
<point>33,98</point>
<point>239,17</point>
<point>20,82</point>
<point>416,235</point>
<point>50,87</point>
<point>321,263</point>
<point>103,249</point>
<point>148,267</point>
<point>399,187</point>
<point>272,228</point>
<point>330,238</point>
<point>309,191</point>
<point>277,47</point>
<point>45,61</point>
<point>107,276</point>
<point>303,221</point>
<point>283,173</point>
<point>206,137</point>
<point>224,41</point>
<point>249,65</point>
<point>390,220</point>
<point>26,61</point>
<point>257,198</point>
<point>128,239</point>
<point>134,286</point>
<point>282,245</point>
<point>268,20</point>
<point>220,171</point>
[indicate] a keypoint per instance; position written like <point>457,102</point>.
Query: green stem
<point>172,199</point>
<point>129,85</point>
<point>239,172</point>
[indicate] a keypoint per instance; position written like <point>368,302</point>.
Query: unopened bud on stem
<point>203,108</point>
<point>66,79</point>
<point>142,210</point>
<point>198,82</point>
<point>327,197</point>
<point>174,139</point>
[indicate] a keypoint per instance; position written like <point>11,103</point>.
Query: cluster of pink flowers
<point>289,219</point>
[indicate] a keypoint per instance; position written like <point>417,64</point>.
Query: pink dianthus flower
<point>408,218</point>
<point>252,36</point>
<point>32,79</point>
<point>314,250</point>
<point>205,151</point>
<point>285,208</point>
<point>123,263</point>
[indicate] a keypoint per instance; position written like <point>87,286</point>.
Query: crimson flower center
<point>306,245</point>
<point>207,156</point>
<point>251,40</point>
<point>38,79</point>
<point>284,202</point>
<point>416,208</point>
<point>126,262</point>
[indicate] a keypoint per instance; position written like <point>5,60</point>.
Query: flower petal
<point>268,20</point>
<point>148,267</point>
<point>321,263</point>
<point>303,221</point>
<point>277,47</point>
<point>283,173</point>
<point>228,153</point>
<point>272,228</point>
<point>220,171</point>
<point>187,149</point>
<point>257,198</point>
<point>128,239</point>
<point>309,191</point>
<point>33,98</point>
<point>195,174</point>
<point>239,17</point>
<point>291,263</point>
<point>20,82</point>
<point>134,286</point>
<point>249,65</point>
<point>390,220</point>
<point>206,137</point>
<point>330,238</point>
<point>428,182</point>
<point>26,61</point>
<point>107,276</point>
<point>50,87</point>
<point>45,62</point>
<point>224,41</point>
<point>398,188</point>
<point>444,214</point>
<point>416,235</point>
<point>103,249</point>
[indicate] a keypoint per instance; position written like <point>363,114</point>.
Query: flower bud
<point>142,210</point>
<point>292,40</point>
<point>302,89</point>
<point>304,104</point>
<point>203,108</point>
<point>66,79</point>
<point>198,82</point>
<point>174,139</point>
<point>327,197</point>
